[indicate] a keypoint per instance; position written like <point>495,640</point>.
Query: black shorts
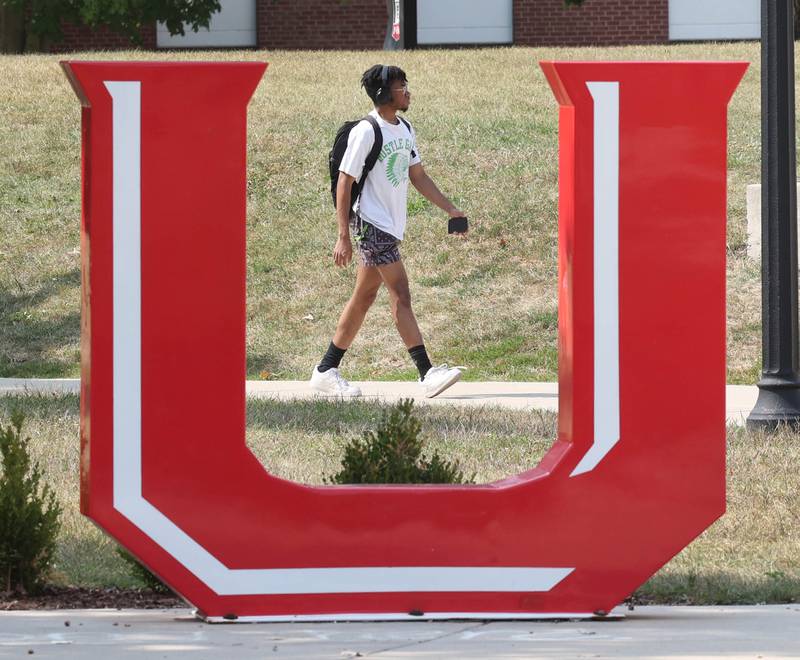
<point>375,246</point>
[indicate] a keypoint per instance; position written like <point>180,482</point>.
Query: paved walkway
<point>740,399</point>
<point>769,631</point>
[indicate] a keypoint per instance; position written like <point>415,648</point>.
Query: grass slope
<point>488,134</point>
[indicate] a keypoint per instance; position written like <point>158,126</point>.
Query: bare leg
<point>368,281</point>
<point>396,281</point>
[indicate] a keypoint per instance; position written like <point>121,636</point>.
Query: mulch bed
<point>74,598</point>
<point>84,598</point>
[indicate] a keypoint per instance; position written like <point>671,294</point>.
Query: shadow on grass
<point>348,417</point>
<point>260,366</point>
<point>29,339</point>
<point>91,560</point>
<point>40,405</point>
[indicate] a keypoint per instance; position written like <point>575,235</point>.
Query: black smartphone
<point>457,225</point>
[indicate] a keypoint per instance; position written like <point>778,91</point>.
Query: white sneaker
<point>438,379</point>
<point>331,382</point>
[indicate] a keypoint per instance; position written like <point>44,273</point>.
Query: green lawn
<point>487,126</point>
<point>749,556</point>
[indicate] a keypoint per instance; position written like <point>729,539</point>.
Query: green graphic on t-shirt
<point>397,168</point>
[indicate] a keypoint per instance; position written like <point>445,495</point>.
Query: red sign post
<point>627,484</point>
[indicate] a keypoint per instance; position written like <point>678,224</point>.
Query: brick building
<point>79,37</point>
<point>362,24</point>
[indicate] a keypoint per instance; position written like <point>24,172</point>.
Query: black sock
<point>421,359</point>
<point>332,358</point>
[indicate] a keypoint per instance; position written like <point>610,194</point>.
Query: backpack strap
<point>377,145</point>
<point>408,126</point>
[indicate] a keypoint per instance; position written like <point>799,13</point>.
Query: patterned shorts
<point>375,247</point>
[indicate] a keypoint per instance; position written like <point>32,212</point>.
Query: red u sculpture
<point>627,484</point>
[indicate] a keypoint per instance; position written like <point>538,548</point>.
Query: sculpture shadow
<point>32,343</point>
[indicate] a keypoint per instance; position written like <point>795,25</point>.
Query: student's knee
<point>365,298</point>
<point>402,297</point>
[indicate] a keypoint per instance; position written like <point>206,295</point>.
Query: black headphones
<point>384,93</point>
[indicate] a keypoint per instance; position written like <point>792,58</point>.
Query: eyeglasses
<point>403,89</point>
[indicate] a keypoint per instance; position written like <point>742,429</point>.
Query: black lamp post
<point>779,388</point>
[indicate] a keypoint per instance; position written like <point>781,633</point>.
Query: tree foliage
<point>29,514</point>
<point>44,18</point>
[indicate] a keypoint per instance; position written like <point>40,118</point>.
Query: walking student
<point>376,220</point>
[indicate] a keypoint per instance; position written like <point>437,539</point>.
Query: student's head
<point>386,84</point>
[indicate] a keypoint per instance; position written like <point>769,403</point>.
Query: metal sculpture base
<point>778,405</point>
<point>433,616</point>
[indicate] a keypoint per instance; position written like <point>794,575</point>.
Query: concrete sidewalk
<point>767,631</point>
<point>740,399</point>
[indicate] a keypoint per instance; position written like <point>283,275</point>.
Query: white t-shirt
<point>384,197</point>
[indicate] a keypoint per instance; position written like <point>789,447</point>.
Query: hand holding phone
<point>457,225</point>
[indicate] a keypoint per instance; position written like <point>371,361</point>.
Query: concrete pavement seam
<point>389,649</point>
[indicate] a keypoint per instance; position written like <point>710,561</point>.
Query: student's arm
<point>343,252</point>
<point>428,189</point>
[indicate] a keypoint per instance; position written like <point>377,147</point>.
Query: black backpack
<point>337,153</point>
<point>340,146</point>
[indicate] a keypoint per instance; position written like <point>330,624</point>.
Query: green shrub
<point>142,573</point>
<point>393,455</point>
<point>29,514</point>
